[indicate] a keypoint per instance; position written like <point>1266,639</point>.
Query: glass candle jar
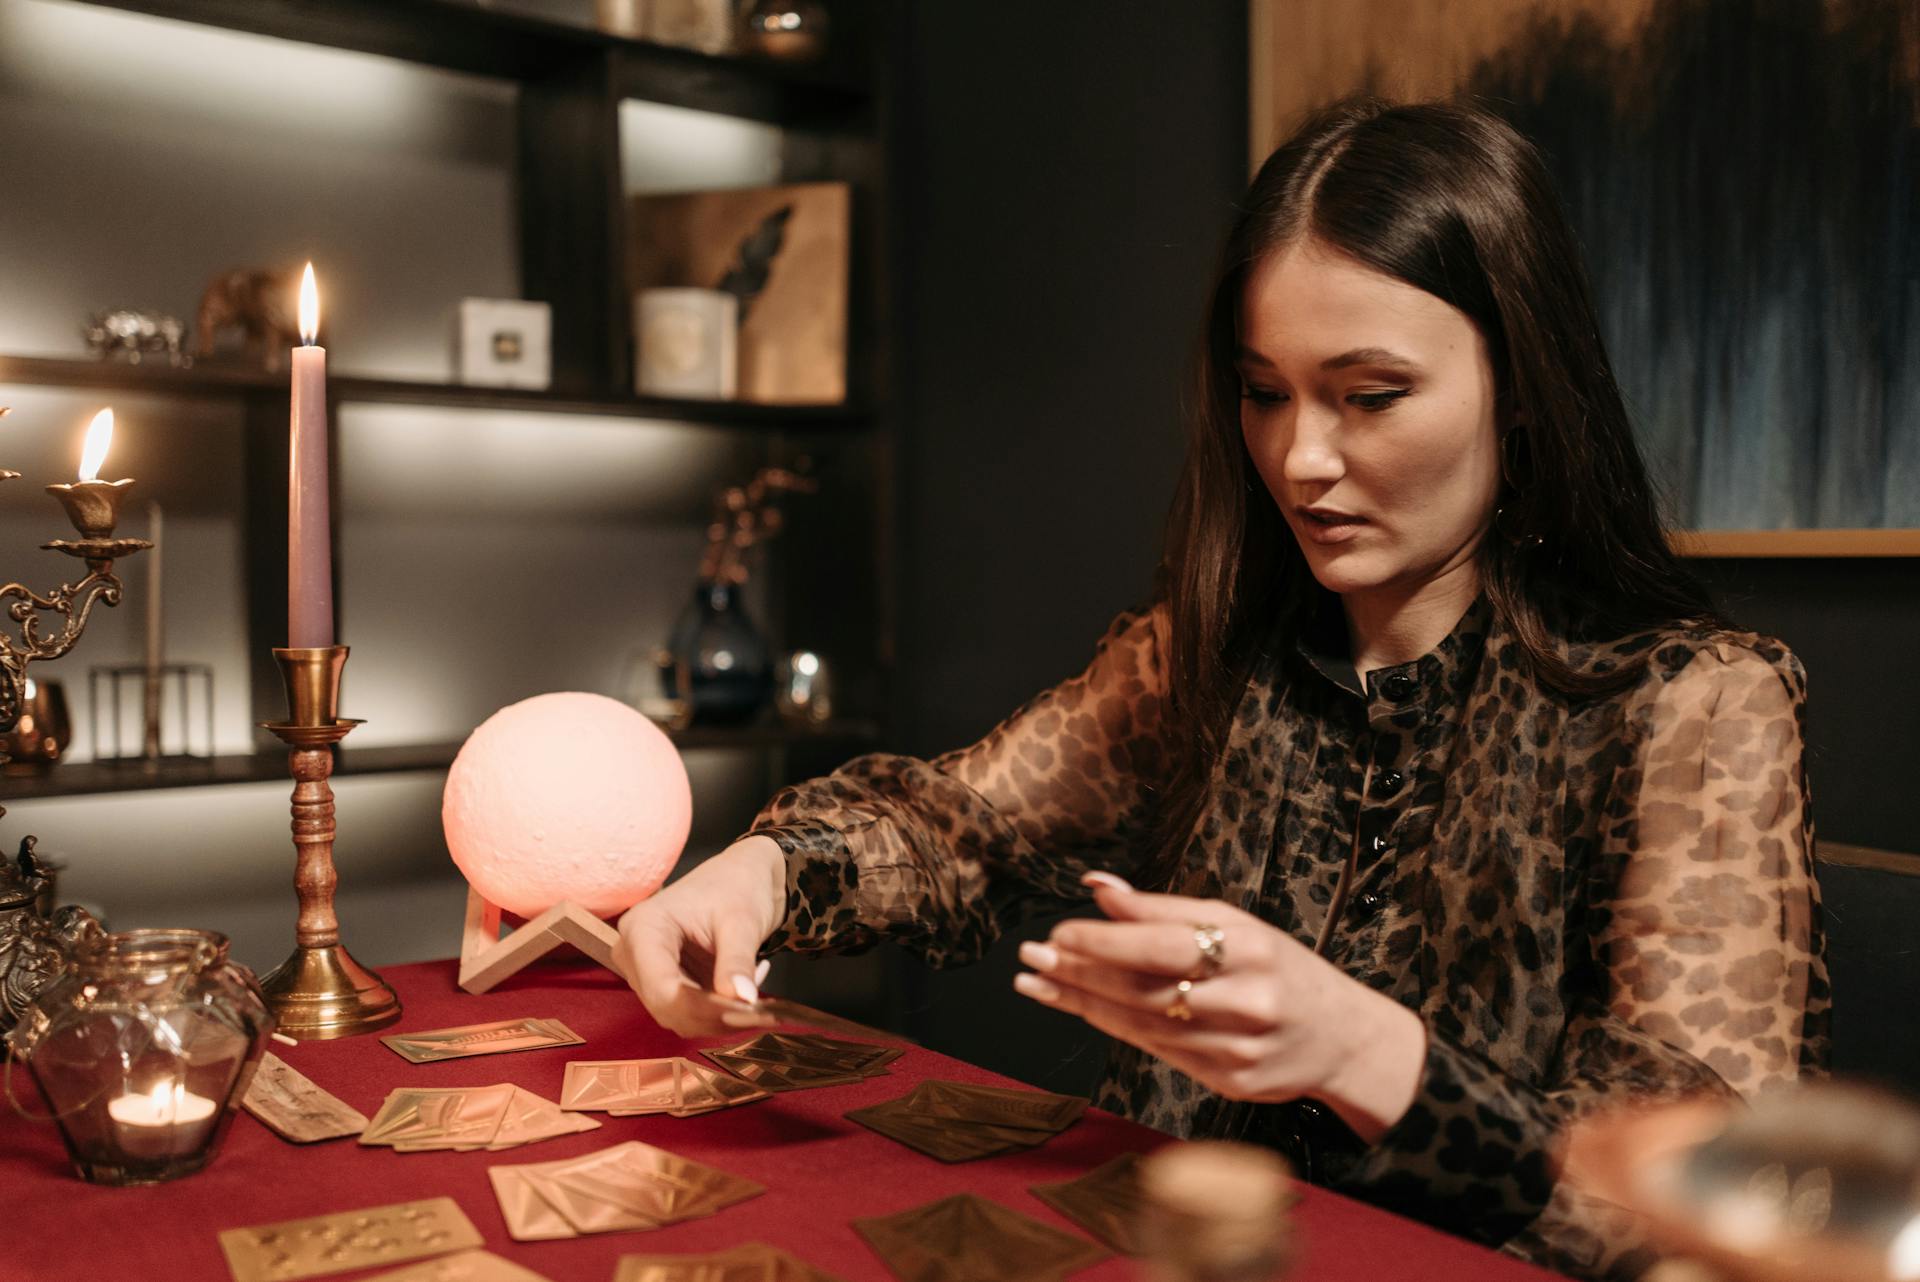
<point>140,1049</point>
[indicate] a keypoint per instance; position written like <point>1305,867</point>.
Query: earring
<point>1509,521</point>
<point>1513,528</point>
<point>1516,459</point>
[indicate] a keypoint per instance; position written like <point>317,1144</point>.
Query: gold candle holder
<point>320,992</point>
<point>92,506</point>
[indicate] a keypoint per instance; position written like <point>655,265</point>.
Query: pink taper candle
<point>309,544</point>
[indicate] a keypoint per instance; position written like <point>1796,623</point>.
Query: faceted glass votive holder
<point>139,1052</point>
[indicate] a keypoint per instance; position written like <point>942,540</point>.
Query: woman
<point>1474,815</point>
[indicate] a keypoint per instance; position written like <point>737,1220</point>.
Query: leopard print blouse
<point>1585,900</point>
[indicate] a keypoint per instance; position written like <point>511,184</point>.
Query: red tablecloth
<point>820,1169</point>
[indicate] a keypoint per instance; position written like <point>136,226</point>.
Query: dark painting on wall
<point>1745,178</point>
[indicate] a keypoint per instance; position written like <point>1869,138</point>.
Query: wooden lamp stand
<point>486,958</point>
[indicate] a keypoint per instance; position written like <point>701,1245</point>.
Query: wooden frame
<point>486,958</point>
<point>1796,543</point>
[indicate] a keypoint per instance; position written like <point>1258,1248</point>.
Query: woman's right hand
<point>690,948</point>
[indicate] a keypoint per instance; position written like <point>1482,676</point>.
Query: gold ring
<point>1178,1008</point>
<point>1212,943</point>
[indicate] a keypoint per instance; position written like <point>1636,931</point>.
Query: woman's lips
<point>1328,528</point>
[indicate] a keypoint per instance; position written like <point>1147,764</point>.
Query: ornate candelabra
<point>33,947</point>
<point>320,991</point>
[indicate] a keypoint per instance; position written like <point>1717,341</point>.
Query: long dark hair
<point>1449,199</point>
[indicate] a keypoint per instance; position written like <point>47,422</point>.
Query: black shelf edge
<point>87,778</point>
<point>209,380</point>
<point>461,35</point>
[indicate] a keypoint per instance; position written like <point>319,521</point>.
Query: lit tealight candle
<point>168,1120</point>
<point>93,505</point>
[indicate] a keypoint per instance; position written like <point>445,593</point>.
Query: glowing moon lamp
<point>566,798</point>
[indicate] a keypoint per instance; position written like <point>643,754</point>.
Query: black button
<point>1372,901</point>
<point>1398,686</point>
<point>1387,782</point>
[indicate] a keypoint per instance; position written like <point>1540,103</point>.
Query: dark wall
<point>1855,623</point>
<point>1065,179</point>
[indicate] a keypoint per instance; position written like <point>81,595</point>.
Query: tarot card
<point>293,1108</point>
<point>524,1034</point>
<point>965,1236</point>
<point>322,1244</point>
<point>1105,1202</point>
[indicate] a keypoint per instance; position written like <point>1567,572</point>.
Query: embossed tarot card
<point>453,1117</point>
<point>530,1118</point>
<point>703,1090</point>
<point>749,1262</point>
<point>801,1061</point>
<point>293,1108</point>
<point>638,1087</point>
<point>498,1037</point>
<point>817,1051</point>
<point>969,1237</point>
<point>1105,1202</point>
<point>997,1105</point>
<point>944,1139</point>
<point>959,1122</point>
<point>466,1266</point>
<point>628,1186</point>
<point>363,1239</point>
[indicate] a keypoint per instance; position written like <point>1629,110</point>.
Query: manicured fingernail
<point>1039,956</point>
<point>760,971</point>
<point>1106,879</point>
<point>746,989</point>
<point>1035,987</point>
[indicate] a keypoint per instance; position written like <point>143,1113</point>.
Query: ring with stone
<point>1178,1007</point>
<point>1212,943</point>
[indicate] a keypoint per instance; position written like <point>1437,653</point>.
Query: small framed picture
<point>505,342</point>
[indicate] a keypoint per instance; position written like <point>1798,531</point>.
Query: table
<point>820,1169</point>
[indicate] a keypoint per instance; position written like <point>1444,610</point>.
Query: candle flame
<point>94,453</point>
<point>309,307</point>
<point>167,1101</point>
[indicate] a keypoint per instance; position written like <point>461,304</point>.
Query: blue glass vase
<point>725,661</point>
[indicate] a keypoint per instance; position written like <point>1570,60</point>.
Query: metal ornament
<point>35,947</point>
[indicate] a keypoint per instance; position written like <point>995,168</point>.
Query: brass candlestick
<point>320,992</point>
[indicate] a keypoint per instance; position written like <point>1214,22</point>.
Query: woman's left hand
<point>1273,1022</point>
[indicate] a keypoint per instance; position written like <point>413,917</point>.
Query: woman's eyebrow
<point>1372,356</point>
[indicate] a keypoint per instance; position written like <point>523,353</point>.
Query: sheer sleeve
<point>936,854</point>
<point>1707,972</point>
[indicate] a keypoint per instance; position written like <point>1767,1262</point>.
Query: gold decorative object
<point>44,729</point>
<point>35,945</point>
<point>319,992</point>
<point>1820,1180</point>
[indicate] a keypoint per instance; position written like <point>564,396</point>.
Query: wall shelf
<point>19,782</point>
<point>567,182</point>
<point>215,380</point>
<point>492,39</point>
